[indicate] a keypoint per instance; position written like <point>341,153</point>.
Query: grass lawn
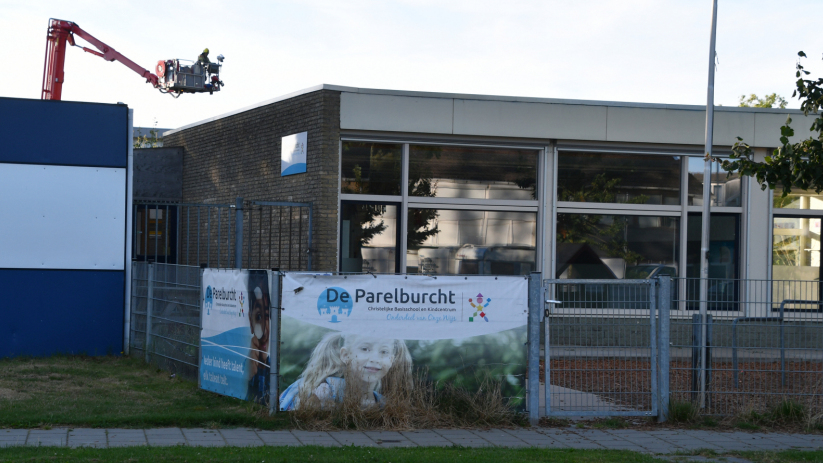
<point>321,454</point>
<point>114,392</point>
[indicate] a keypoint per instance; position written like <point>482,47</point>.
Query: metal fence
<point>601,347</point>
<point>618,347</point>
<point>259,234</point>
<point>165,316</point>
<point>764,345</point>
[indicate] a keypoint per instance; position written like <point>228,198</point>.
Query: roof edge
<point>469,96</point>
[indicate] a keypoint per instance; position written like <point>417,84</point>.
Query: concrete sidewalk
<point>664,441</point>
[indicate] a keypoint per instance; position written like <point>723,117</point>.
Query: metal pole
<point>238,232</point>
<point>707,185</point>
<point>308,246</point>
<point>149,306</point>
<point>653,306</point>
<point>664,304</point>
<point>274,343</point>
<point>534,349</point>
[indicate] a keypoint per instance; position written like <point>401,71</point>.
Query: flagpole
<point>704,232</point>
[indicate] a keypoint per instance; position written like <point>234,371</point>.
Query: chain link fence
<point>165,316</point>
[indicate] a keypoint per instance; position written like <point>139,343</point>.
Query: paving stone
<point>315,438</point>
<point>241,437</point>
<point>389,439</point>
<point>355,438</point>
<point>499,438</point>
<point>278,438</point>
<point>536,439</point>
<point>427,438</point>
<point>12,437</point>
<point>199,437</point>
<point>165,437</point>
<point>126,437</point>
<point>51,437</point>
<point>85,437</point>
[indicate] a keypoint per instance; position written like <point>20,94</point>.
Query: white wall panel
<point>395,113</point>
<point>62,217</point>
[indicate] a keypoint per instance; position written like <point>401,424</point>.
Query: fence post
<point>534,348</point>
<point>664,302</point>
<point>149,307</point>
<point>238,232</point>
<point>274,343</point>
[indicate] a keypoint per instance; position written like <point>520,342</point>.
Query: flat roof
<point>468,96</point>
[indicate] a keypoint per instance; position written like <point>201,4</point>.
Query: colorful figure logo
<point>480,307</point>
<point>335,301</point>
<point>209,300</point>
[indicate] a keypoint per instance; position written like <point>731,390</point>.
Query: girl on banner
<point>373,364</point>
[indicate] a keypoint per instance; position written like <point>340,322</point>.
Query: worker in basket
<point>204,57</point>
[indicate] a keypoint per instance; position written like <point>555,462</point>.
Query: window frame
<point>405,201</point>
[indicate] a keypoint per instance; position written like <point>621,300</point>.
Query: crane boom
<point>61,32</point>
<point>175,78</point>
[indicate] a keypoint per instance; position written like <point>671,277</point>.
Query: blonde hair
<point>326,361</point>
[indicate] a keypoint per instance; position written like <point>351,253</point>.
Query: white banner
<point>408,307</point>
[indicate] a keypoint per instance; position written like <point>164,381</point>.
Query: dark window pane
<point>468,172</point>
<point>618,178</point>
<point>442,241</point>
<point>591,246</point>
<point>371,168</point>
<point>725,190</point>
<point>724,245</point>
<point>368,241</point>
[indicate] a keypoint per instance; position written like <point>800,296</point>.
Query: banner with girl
<point>378,328</point>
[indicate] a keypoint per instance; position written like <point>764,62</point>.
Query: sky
<point>651,51</point>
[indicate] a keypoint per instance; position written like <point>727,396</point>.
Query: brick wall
<point>239,155</point>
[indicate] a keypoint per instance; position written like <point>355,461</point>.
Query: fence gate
<point>601,343</point>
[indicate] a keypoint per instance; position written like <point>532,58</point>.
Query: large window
<point>462,210</point>
<point>796,269</point>
<point>471,172</point>
<point>638,216</point>
<point>618,178</point>
<point>368,237</point>
<point>725,189</point>
<point>593,246</point>
<point>371,168</point>
<point>442,241</point>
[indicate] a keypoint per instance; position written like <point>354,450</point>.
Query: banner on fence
<point>234,341</point>
<point>460,329</point>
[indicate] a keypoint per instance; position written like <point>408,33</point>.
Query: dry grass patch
<point>424,405</point>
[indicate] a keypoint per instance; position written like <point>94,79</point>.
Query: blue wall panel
<point>64,133</point>
<point>44,312</point>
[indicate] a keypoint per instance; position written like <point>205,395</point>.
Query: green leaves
<point>792,165</point>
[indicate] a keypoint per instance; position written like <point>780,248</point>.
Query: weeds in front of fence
<point>422,405</point>
<point>785,414</point>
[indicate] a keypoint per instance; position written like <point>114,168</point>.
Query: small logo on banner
<point>335,302</point>
<point>479,307</point>
<point>209,300</point>
<point>241,300</point>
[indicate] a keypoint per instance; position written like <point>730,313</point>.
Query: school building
<point>436,183</point>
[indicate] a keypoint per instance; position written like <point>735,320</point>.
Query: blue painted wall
<point>46,312</point>
<point>64,133</point>
<point>70,310</point>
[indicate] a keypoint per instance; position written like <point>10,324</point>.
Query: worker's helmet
<point>206,51</point>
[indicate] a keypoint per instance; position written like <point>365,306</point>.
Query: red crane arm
<point>61,32</point>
